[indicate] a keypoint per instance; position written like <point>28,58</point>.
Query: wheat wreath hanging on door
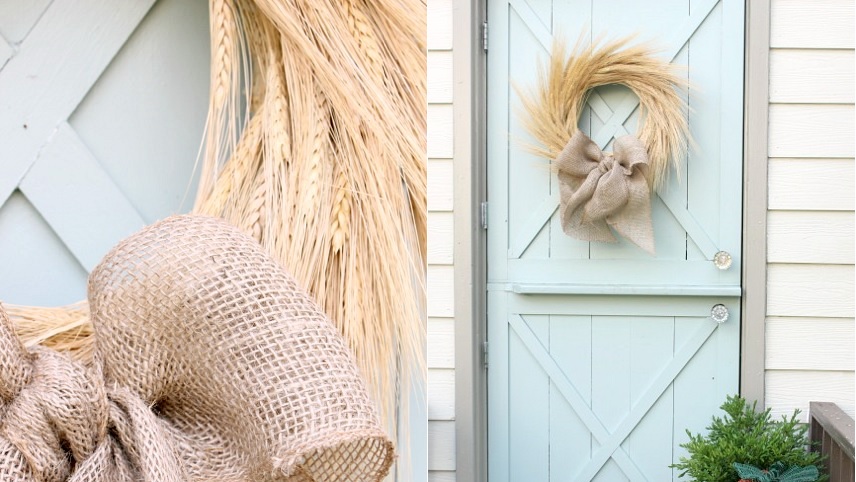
<point>599,190</point>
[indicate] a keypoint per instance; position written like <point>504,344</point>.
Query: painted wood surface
<point>441,446</point>
<point>810,277</point>
<point>810,237</point>
<point>813,184</point>
<point>794,389</point>
<point>88,155</point>
<point>812,130</point>
<point>599,354</point>
<point>440,238</point>
<point>441,342</point>
<point>439,25</point>
<point>810,290</point>
<point>440,131</point>
<point>439,77</point>
<point>795,343</point>
<point>828,72</point>
<point>441,398</point>
<point>441,325</point>
<point>812,24</point>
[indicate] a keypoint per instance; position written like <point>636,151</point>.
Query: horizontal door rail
<point>616,289</point>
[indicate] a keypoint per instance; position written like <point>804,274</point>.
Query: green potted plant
<point>777,473</point>
<point>747,437</point>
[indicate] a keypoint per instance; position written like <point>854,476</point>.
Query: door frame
<point>469,62</point>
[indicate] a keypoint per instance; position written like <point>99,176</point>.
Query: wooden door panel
<point>601,355</point>
<point>590,397</point>
<point>102,111</point>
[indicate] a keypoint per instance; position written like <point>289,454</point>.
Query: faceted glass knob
<point>722,260</point>
<point>719,313</point>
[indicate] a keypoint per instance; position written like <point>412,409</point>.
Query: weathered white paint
<point>810,228</point>
<point>441,325</point>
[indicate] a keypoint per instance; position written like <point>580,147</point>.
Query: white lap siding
<point>810,228</point>
<point>441,347</point>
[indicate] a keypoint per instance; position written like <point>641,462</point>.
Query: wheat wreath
<point>553,109</point>
<point>605,192</point>
<point>315,145</point>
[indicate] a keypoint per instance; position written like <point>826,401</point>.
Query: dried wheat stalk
<point>553,109</point>
<point>323,161</point>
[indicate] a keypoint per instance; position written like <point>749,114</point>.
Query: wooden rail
<point>831,433</point>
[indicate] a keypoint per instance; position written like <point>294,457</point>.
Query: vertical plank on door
<point>570,441</point>
<point>610,396</point>
<point>703,168</point>
<point>650,443</point>
<point>529,405</point>
<point>529,175</point>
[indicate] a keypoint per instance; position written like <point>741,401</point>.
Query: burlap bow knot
<point>598,190</point>
<point>210,365</point>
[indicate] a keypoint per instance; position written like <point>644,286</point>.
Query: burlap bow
<point>598,190</point>
<point>210,365</point>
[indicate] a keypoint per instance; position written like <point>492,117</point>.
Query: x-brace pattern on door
<point>613,127</point>
<point>43,80</point>
<point>610,442</point>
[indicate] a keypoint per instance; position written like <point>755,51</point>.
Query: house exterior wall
<point>809,329</point>
<point>441,344</point>
<point>810,229</point>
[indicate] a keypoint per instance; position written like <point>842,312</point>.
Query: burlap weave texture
<point>599,190</point>
<point>210,364</point>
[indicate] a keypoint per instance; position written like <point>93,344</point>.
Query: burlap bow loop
<point>600,190</point>
<point>210,365</point>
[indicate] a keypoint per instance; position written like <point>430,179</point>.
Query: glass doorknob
<point>719,313</point>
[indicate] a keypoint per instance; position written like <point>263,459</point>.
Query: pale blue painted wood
<point>498,387</point>
<point>529,401</point>
<point>78,199</point>
<point>652,349</point>
<point>35,266</point>
<point>17,17</point>
<point>95,118</point>
<point>64,55</point>
<point>610,365</point>
<point>570,439</point>
<point>631,347</point>
<point>143,121</point>
<point>529,175</point>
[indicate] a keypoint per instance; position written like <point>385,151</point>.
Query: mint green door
<point>600,356</point>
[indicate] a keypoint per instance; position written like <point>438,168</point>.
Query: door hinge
<point>484,354</point>
<point>483,215</point>
<point>484,36</point>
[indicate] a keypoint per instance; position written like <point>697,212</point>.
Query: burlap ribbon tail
<point>211,364</point>
<point>599,190</point>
